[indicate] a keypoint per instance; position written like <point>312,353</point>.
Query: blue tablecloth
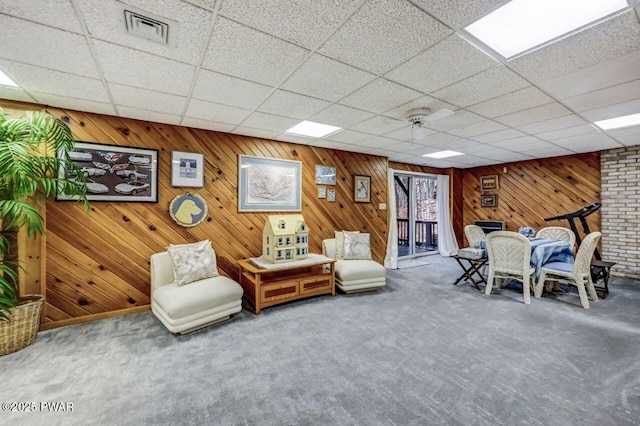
<point>544,250</point>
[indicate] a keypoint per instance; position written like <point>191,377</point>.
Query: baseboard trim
<point>94,317</point>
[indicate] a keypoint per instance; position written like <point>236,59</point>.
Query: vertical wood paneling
<point>98,262</point>
<point>532,190</point>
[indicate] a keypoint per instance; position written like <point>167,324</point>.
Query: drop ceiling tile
<point>588,143</point>
<point>606,74</point>
<point>479,149</point>
<point>190,24</point>
<point>196,123</point>
<point>348,137</point>
<point>380,95</point>
<point>436,139</point>
<point>293,105</point>
<point>449,61</point>
<point>357,148</point>
<point>377,142</point>
<point>156,117</point>
<point>405,134</point>
<point>59,14</point>
<point>216,112</point>
<point>506,156</point>
<point>232,50</point>
<point>400,147</point>
<point>378,125</point>
<point>322,143</point>
<point>612,111</point>
<point>497,136</point>
<point>615,37</point>
<point>401,157</point>
<point>486,85</point>
<point>553,151</point>
<point>605,97</point>
<point>460,119</point>
<point>324,78</point>
<point>256,133</point>
<point>43,47</point>
<point>396,28</point>
<point>460,145</point>
<point>341,116</point>
<point>629,136</point>
<point>566,121</point>
<point>568,132</point>
<point>134,68</point>
<point>459,13</point>
<point>223,89</point>
<point>14,94</point>
<point>304,22</point>
<point>205,4</point>
<point>476,129</point>
<point>518,100</point>
<point>74,104</point>
<point>147,99</point>
<point>517,144</point>
<point>302,140</point>
<point>534,115</point>
<point>36,79</point>
<point>533,147</point>
<point>259,120</point>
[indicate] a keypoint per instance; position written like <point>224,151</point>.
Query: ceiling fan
<point>420,117</point>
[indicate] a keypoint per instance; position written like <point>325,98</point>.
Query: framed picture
<point>269,185</point>
<point>362,189</point>
<point>489,200</point>
<point>116,173</point>
<point>322,192</point>
<point>331,196</point>
<point>488,183</point>
<point>325,175</point>
<point>187,169</point>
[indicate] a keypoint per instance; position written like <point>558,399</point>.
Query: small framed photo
<point>489,200</point>
<point>322,192</point>
<point>325,175</point>
<point>331,196</point>
<point>362,189</point>
<point>487,183</point>
<point>187,169</point>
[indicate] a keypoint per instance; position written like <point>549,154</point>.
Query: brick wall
<point>620,174</point>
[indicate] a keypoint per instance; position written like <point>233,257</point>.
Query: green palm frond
<point>34,166</point>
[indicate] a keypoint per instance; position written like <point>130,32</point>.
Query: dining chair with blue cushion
<point>558,233</point>
<point>578,274</point>
<point>509,258</point>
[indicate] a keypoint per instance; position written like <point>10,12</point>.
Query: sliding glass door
<point>416,214</point>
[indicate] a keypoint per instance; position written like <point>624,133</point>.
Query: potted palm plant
<point>34,149</point>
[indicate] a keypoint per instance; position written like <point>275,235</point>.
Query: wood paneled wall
<point>98,263</point>
<point>530,191</point>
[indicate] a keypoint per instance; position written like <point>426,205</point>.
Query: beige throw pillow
<point>339,235</point>
<point>357,246</point>
<point>193,262</point>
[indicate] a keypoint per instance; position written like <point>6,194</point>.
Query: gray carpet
<point>412,263</point>
<point>417,352</point>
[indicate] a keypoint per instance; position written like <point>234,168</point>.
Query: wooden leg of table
<point>333,279</point>
<point>257,292</point>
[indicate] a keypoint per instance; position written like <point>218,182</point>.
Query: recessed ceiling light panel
<point>618,122</point>
<point>6,81</point>
<point>523,24</point>
<point>312,129</point>
<point>443,154</point>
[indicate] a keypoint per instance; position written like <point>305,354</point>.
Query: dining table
<point>545,251</point>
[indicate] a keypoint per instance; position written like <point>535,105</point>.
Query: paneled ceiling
<point>258,67</point>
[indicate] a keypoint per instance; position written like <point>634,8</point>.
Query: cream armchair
<point>189,307</point>
<point>355,275</point>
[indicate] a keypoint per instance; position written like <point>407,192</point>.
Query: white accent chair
<point>183,309</point>
<point>509,258</point>
<point>558,233</point>
<point>355,275</point>
<point>578,274</point>
<point>474,235</point>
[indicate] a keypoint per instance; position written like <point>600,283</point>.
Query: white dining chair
<point>558,233</point>
<point>578,274</point>
<point>509,258</point>
<point>474,235</point>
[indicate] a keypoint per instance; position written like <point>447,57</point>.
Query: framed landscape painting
<point>269,185</point>
<point>116,173</point>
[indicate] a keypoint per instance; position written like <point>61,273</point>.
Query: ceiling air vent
<point>144,27</point>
